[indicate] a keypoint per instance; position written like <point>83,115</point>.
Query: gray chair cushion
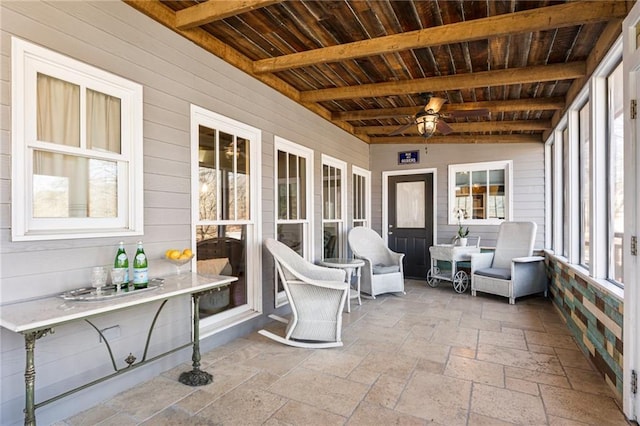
<point>500,273</point>
<point>383,269</point>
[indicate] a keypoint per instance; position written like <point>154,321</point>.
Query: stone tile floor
<point>430,357</point>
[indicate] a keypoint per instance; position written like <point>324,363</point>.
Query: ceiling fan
<point>429,119</point>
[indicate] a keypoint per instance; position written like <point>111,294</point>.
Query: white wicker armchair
<point>316,296</point>
<point>511,270</point>
<point>382,271</point>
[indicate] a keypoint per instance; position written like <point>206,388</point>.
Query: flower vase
<point>462,242</point>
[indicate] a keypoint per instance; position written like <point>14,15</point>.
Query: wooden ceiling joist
<point>482,126</point>
<point>538,104</point>
<point>215,10</point>
<point>544,18</point>
<point>458,139</point>
<point>563,71</point>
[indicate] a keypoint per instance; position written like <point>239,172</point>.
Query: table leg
<point>349,273</point>
<point>30,375</point>
<point>358,273</point>
<point>196,377</point>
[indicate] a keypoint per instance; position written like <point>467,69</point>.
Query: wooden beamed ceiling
<point>363,65</point>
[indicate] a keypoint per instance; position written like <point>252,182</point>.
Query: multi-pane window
<point>333,204</point>
<point>566,200</point>
<point>293,201</point>
<point>585,183</point>
<point>78,134</point>
<point>615,172</point>
<point>481,192</point>
<point>224,222</point>
<point>361,196</point>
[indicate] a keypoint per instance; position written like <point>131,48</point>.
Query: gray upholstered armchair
<point>316,296</point>
<point>511,270</point>
<point>382,271</point>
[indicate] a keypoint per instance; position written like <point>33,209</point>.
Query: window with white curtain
<point>77,136</point>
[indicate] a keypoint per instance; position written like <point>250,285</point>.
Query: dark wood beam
<point>565,71</point>
<point>458,139</point>
<point>535,104</point>
<point>216,10</point>
<point>472,127</point>
<point>540,19</point>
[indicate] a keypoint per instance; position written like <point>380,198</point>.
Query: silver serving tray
<point>90,294</point>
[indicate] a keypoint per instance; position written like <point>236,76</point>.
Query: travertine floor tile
<point>296,413</point>
<point>92,416</point>
<point>326,392</point>
<point>242,406</point>
<point>371,414</point>
<point>587,381</point>
<point>339,364</point>
<point>436,398</point>
<point>562,341</point>
<point>447,334</point>
<point>581,406</point>
<point>507,340</point>
<point>476,371</point>
<point>386,391</point>
<point>507,405</point>
<point>573,358</point>
<point>541,363</point>
<point>476,419</point>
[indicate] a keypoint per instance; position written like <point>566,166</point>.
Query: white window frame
<point>27,61</point>
<point>366,174</point>
<point>506,165</point>
<point>342,166</point>
<point>225,319</point>
<point>284,145</point>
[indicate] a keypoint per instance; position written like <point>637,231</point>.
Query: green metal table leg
<point>196,377</point>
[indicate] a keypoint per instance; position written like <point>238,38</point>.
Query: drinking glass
<point>98,277</point>
<point>117,277</point>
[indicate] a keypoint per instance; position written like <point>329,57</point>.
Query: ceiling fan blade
<point>401,129</point>
<point>434,104</point>
<point>443,127</point>
<point>468,113</point>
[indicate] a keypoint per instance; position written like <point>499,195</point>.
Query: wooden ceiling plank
<point>214,10</point>
<point>540,19</point>
<point>492,106</point>
<point>532,74</point>
<point>458,139</point>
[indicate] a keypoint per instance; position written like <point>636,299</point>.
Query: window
<point>566,200</point>
<point>615,148</point>
<point>224,181</point>
<point>482,191</point>
<point>585,183</point>
<point>333,206</point>
<point>77,148</point>
<point>361,196</point>
<point>294,166</point>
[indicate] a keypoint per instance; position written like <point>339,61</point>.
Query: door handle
<point>390,233</point>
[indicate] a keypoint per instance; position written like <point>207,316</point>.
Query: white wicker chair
<point>382,271</point>
<point>511,270</point>
<point>316,296</point>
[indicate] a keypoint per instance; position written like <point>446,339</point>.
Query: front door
<point>410,221</point>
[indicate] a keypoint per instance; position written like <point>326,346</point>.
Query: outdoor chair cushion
<point>500,273</point>
<point>383,269</point>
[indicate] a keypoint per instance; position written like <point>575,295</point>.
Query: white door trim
<point>385,198</point>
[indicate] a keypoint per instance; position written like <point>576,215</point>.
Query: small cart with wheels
<point>452,254</point>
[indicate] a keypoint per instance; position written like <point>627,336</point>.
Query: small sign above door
<point>409,157</point>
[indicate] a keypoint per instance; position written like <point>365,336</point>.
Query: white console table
<point>37,318</point>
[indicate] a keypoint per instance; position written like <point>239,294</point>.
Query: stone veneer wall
<point>594,316</point>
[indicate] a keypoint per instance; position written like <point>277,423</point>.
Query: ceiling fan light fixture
<point>426,123</point>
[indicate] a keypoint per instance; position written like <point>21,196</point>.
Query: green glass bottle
<point>122,261</point>
<point>140,268</point>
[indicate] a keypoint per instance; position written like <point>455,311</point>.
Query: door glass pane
<point>410,202</point>
<point>103,122</point>
<point>220,250</point>
<point>282,186</point>
<point>226,151</point>
<point>302,202</point>
<point>293,187</point>
<point>463,193</point>
<point>496,196</point>
<point>208,178</point>
<point>330,240</point>
<point>66,186</point>
<point>479,192</point>
<point>58,114</point>
<point>242,179</point>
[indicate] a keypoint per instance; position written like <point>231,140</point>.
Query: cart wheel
<point>460,282</point>
<point>431,276</point>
